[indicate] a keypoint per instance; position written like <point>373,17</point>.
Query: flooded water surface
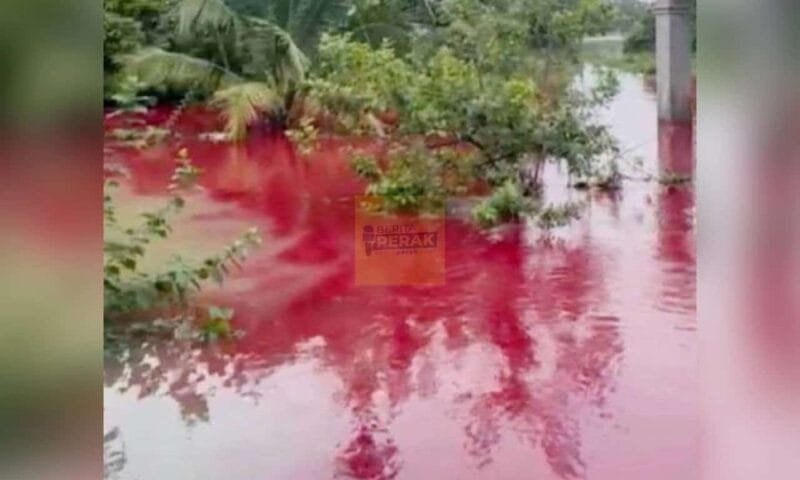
<point>548,356</point>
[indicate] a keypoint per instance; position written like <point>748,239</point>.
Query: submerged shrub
<point>553,216</point>
<point>217,324</point>
<point>126,287</point>
<point>506,203</point>
<point>365,167</point>
<point>410,183</point>
<point>127,97</point>
<point>415,179</point>
<point>304,136</point>
<point>507,118</point>
<point>140,138</point>
<point>474,77</point>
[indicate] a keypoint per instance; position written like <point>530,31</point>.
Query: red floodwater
<point>568,355</point>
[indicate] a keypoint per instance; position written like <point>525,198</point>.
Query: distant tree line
<point>641,21</point>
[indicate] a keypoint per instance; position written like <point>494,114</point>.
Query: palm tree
<point>373,21</point>
<point>276,49</point>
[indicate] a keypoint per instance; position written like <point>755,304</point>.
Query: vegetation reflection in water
<point>546,338</point>
<point>434,99</point>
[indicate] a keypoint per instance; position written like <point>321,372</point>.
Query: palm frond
<point>156,67</point>
<point>395,21</point>
<point>309,18</point>
<point>288,61</point>
<point>199,16</point>
<point>242,105</point>
<point>281,12</point>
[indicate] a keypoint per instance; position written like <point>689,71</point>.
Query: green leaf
<point>157,67</point>
<point>242,104</point>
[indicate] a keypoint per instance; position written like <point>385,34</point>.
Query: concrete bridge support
<point>673,61</point>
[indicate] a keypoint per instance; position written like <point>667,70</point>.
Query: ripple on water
<point>511,366</point>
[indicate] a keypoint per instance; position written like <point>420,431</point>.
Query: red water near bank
<point>568,355</point>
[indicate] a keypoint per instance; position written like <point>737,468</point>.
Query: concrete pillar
<point>673,61</point>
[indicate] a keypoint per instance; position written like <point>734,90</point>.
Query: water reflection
<point>676,148</point>
<point>396,345</point>
<point>492,374</point>
<point>675,207</point>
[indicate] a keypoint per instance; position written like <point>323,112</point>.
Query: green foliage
<point>415,179</point>
<point>217,324</point>
<point>258,62</point>
<point>571,134</point>
<point>127,288</point>
<point>499,35</point>
<point>502,120</point>
<point>206,325</point>
<point>127,99</point>
<point>376,21</point>
<point>442,95</point>
<point>243,104</point>
<point>563,24</point>
<point>140,138</point>
<point>304,136</point>
<point>606,176</point>
<point>486,43</point>
<point>509,120</point>
<point>204,17</point>
<point>553,216</point>
<point>506,203</point>
<point>643,36</point>
<point>487,35</point>
<point>305,20</point>
<point>157,68</point>
<point>353,78</point>
<point>409,184</point>
<point>127,96</point>
<point>122,35</point>
<point>627,13</point>
<point>365,167</point>
<point>128,25</point>
<point>643,62</point>
<point>490,73</point>
<point>147,12</point>
<point>512,124</point>
<point>185,174</point>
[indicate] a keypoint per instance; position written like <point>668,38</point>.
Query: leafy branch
<point>126,287</point>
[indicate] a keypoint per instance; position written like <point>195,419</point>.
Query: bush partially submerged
<point>553,216</point>
<point>492,75</point>
<point>126,287</point>
<point>414,178</point>
<point>505,204</point>
<point>510,125</point>
<point>508,204</point>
